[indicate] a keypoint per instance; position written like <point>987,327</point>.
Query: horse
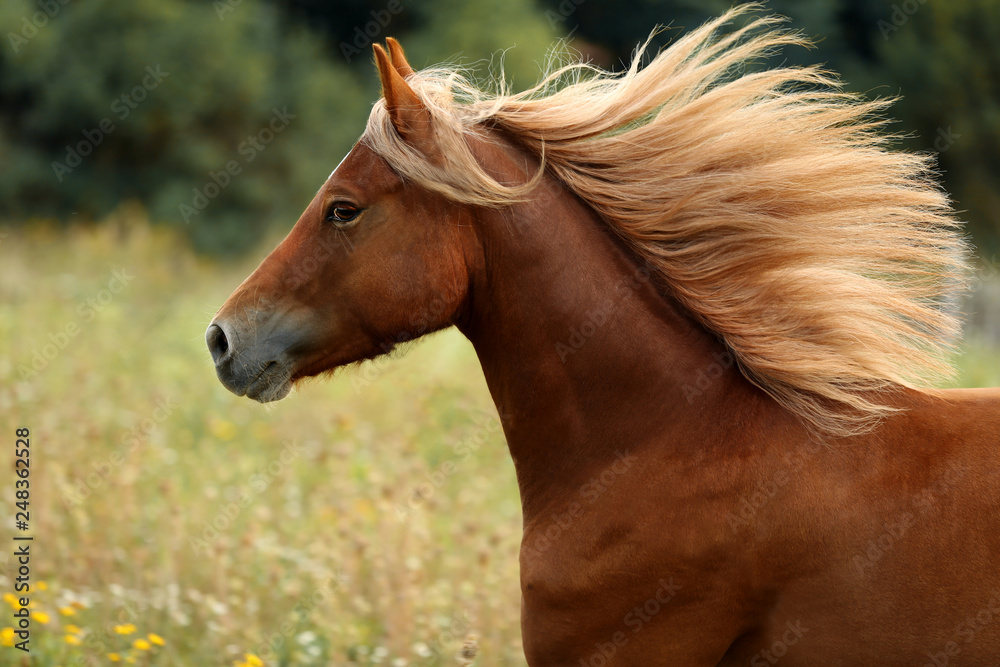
<point>711,303</point>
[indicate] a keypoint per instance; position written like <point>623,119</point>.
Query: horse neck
<point>585,359</point>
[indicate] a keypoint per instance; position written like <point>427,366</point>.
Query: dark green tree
<point>220,117</point>
<point>942,58</point>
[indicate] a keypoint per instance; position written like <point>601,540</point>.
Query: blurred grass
<point>978,365</point>
<point>314,494</point>
<point>350,525</point>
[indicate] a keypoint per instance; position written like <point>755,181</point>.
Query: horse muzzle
<point>261,370</point>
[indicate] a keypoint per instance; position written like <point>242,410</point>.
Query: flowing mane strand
<point>769,203</point>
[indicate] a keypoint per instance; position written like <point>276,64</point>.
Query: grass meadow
<point>372,519</point>
<point>368,519</point>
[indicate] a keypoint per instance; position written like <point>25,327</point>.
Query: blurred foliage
<point>221,78</point>
<point>64,67</point>
<point>435,31</point>
<point>945,62</point>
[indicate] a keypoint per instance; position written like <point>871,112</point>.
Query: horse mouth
<point>272,383</point>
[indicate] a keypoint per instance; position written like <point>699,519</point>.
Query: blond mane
<point>769,203</point>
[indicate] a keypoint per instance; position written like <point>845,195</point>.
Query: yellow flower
<point>141,644</point>
<point>74,629</point>
<point>67,611</point>
<point>40,616</point>
<point>41,586</point>
<point>125,629</point>
<point>72,640</point>
<point>155,638</point>
<point>114,657</point>
<point>7,637</point>
<point>12,600</point>
<point>223,429</point>
<point>365,508</point>
<point>253,660</point>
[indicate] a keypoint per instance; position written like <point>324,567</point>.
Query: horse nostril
<point>217,342</point>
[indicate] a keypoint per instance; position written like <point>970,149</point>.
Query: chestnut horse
<point>705,300</point>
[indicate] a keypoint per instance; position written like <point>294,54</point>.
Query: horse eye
<point>341,213</point>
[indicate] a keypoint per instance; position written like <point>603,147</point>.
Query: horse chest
<point>597,584</point>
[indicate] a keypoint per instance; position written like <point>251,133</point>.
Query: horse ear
<point>398,57</point>
<point>409,115</point>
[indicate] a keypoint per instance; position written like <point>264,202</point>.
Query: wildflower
<point>41,586</point>
<point>7,637</point>
<point>114,657</point>
<point>254,661</point>
<point>40,616</point>
<point>72,640</point>
<point>67,611</point>
<point>125,629</point>
<point>222,429</point>
<point>156,639</point>
<point>141,644</point>
<point>73,629</point>
<point>12,600</point>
